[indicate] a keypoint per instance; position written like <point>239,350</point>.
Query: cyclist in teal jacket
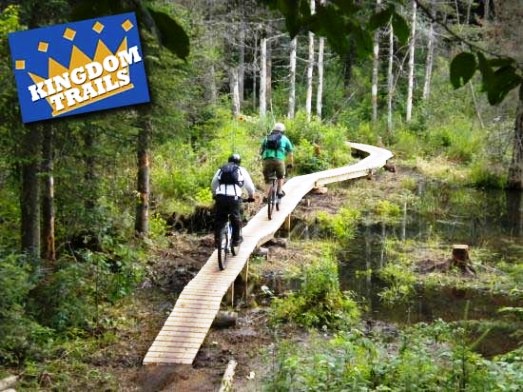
<point>275,149</point>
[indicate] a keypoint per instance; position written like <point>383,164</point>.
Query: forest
<point>106,216</point>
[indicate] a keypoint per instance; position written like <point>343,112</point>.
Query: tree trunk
<point>319,93</point>
<point>212,90</point>
<point>310,70</point>
<point>292,77</point>
<point>412,50</point>
<point>30,192</point>
<point>430,59</point>
<point>268,75</point>
<point>235,91</point>
<point>390,80</point>
<point>375,65</point>
<point>141,225</point>
<point>241,63</point>
<point>89,156</point>
<point>254,69</point>
<point>48,212</point>
<point>263,77</point>
<point>515,176</point>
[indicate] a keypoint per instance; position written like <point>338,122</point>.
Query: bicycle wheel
<point>270,202</point>
<point>223,245</point>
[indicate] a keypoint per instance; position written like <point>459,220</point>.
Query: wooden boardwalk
<point>186,327</point>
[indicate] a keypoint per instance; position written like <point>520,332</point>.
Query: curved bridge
<point>186,327</point>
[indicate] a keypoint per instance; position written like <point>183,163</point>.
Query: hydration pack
<point>273,141</point>
<point>230,175</point>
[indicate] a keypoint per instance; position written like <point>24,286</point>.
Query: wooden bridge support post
<point>229,297</point>
<point>245,276</point>
<point>287,224</point>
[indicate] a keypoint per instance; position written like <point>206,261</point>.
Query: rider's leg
<point>220,217</point>
<point>268,169</point>
<point>236,222</point>
<point>280,173</point>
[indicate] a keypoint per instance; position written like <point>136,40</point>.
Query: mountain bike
<point>224,243</point>
<point>273,200</point>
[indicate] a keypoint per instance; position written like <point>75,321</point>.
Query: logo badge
<point>79,67</point>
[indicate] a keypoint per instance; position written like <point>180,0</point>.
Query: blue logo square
<point>79,67</point>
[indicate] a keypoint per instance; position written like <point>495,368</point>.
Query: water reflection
<point>490,219</point>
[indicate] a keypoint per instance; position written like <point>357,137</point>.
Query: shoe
<point>265,199</point>
<point>281,194</point>
<point>237,242</point>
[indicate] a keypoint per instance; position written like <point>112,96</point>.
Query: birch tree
<point>375,65</point>
<point>430,58</point>
<point>263,77</point>
<point>310,70</point>
<point>412,50</point>
<point>390,80</point>
<point>235,91</point>
<point>319,93</point>
<point>292,78</point>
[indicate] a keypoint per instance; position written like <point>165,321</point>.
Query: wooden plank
<point>195,325</point>
<point>168,333</point>
<point>175,339</point>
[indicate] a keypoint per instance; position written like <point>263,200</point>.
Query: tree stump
<point>461,259</point>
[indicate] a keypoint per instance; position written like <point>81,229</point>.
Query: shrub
<point>319,301</point>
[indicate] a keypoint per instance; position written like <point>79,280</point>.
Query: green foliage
<point>422,358</point>
<point>482,175</point>
<point>341,225</point>
<point>319,301</point>
<point>387,210</point>
<point>400,283</point>
<point>16,328</point>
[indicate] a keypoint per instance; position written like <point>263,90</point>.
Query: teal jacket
<point>280,154</point>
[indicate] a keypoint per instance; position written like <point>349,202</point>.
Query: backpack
<point>230,175</point>
<point>273,141</point>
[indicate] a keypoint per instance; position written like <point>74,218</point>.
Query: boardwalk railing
<point>186,327</point>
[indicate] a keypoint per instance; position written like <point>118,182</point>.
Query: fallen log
<point>228,376</point>
<point>225,320</point>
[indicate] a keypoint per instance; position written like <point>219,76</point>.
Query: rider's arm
<point>247,183</point>
<point>215,183</point>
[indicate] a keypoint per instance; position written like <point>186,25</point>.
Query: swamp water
<point>492,220</point>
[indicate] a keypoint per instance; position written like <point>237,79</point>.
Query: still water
<point>492,220</point>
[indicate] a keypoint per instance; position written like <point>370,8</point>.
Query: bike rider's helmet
<point>235,158</point>
<point>279,127</point>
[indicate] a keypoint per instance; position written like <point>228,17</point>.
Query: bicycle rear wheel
<point>270,202</point>
<point>223,246</point>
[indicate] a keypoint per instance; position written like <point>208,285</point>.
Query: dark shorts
<point>273,165</point>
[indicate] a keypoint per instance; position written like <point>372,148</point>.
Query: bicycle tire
<point>223,245</point>
<point>270,203</point>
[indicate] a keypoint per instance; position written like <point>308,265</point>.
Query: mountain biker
<point>275,149</point>
<point>226,186</point>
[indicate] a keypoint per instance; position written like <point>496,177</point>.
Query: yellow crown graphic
<point>86,80</point>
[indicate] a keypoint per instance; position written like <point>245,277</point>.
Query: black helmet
<point>235,158</point>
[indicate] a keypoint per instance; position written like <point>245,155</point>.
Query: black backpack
<point>230,174</point>
<point>273,141</point>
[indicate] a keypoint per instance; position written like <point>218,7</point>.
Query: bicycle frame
<point>272,197</point>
